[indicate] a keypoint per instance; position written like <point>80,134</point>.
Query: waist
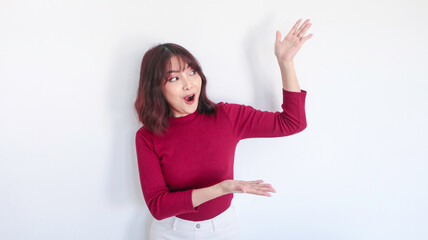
<point>220,221</point>
<point>209,209</point>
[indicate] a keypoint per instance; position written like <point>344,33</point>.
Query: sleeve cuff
<point>291,92</point>
<point>293,95</point>
<point>189,203</point>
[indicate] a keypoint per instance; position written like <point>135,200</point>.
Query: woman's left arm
<point>285,51</point>
<point>247,122</point>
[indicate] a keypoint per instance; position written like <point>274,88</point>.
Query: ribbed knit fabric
<point>198,151</point>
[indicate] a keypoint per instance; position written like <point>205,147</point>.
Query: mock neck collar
<point>186,118</point>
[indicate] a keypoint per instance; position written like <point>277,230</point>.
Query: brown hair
<point>151,105</point>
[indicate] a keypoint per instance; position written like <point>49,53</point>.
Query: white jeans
<point>222,227</point>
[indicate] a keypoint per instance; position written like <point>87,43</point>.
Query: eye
<point>193,72</point>
<point>173,79</point>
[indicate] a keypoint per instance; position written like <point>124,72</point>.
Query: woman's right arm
<point>162,203</point>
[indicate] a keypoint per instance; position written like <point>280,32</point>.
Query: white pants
<point>222,227</point>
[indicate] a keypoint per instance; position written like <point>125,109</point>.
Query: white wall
<point>69,72</point>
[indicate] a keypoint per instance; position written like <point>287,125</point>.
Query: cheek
<point>171,93</point>
<point>199,84</point>
<point>166,93</point>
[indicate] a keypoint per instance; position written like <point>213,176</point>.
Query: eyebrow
<point>185,67</point>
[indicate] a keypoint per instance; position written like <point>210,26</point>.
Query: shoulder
<point>233,108</point>
<point>228,106</point>
<point>143,134</point>
<point>142,131</point>
<point>235,112</point>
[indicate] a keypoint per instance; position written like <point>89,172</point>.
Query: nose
<point>187,84</point>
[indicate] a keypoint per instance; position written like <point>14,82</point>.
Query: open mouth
<point>190,98</point>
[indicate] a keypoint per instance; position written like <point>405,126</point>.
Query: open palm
<point>286,49</point>
<point>252,187</point>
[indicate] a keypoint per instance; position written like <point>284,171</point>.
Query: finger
<point>265,184</point>
<point>266,188</point>
<point>307,37</point>
<point>258,185</point>
<point>303,32</point>
<point>260,190</point>
<point>294,29</point>
<point>301,28</point>
<point>262,193</point>
<point>261,186</point>
<point>278,36</point>
<point>256,181</point>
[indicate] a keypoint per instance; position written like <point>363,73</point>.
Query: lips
<point>190,98</point>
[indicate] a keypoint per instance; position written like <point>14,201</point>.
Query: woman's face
<point>182,88</point>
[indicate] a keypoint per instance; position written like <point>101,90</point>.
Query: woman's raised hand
<point>286,49</point>
<point>252,187</point>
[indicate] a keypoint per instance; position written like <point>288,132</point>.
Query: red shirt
<point>198,151</point>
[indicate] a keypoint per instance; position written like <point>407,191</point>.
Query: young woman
<point>186,146</point>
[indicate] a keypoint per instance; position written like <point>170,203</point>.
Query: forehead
<point>176,64</point>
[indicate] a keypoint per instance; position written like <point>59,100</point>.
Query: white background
<point>69,72</point>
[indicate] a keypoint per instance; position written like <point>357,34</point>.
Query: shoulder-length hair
<point>151,105</point>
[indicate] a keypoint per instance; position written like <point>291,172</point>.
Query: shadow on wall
<point>261,60</point>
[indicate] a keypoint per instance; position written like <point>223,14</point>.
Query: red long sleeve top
<point>198,151</point>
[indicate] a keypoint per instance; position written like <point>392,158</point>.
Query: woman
<point>186,147</point>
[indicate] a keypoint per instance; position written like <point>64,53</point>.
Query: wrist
<point>286,63</point>
<point>202,195</point>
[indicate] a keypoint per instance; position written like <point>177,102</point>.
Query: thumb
<point>278,36</point>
